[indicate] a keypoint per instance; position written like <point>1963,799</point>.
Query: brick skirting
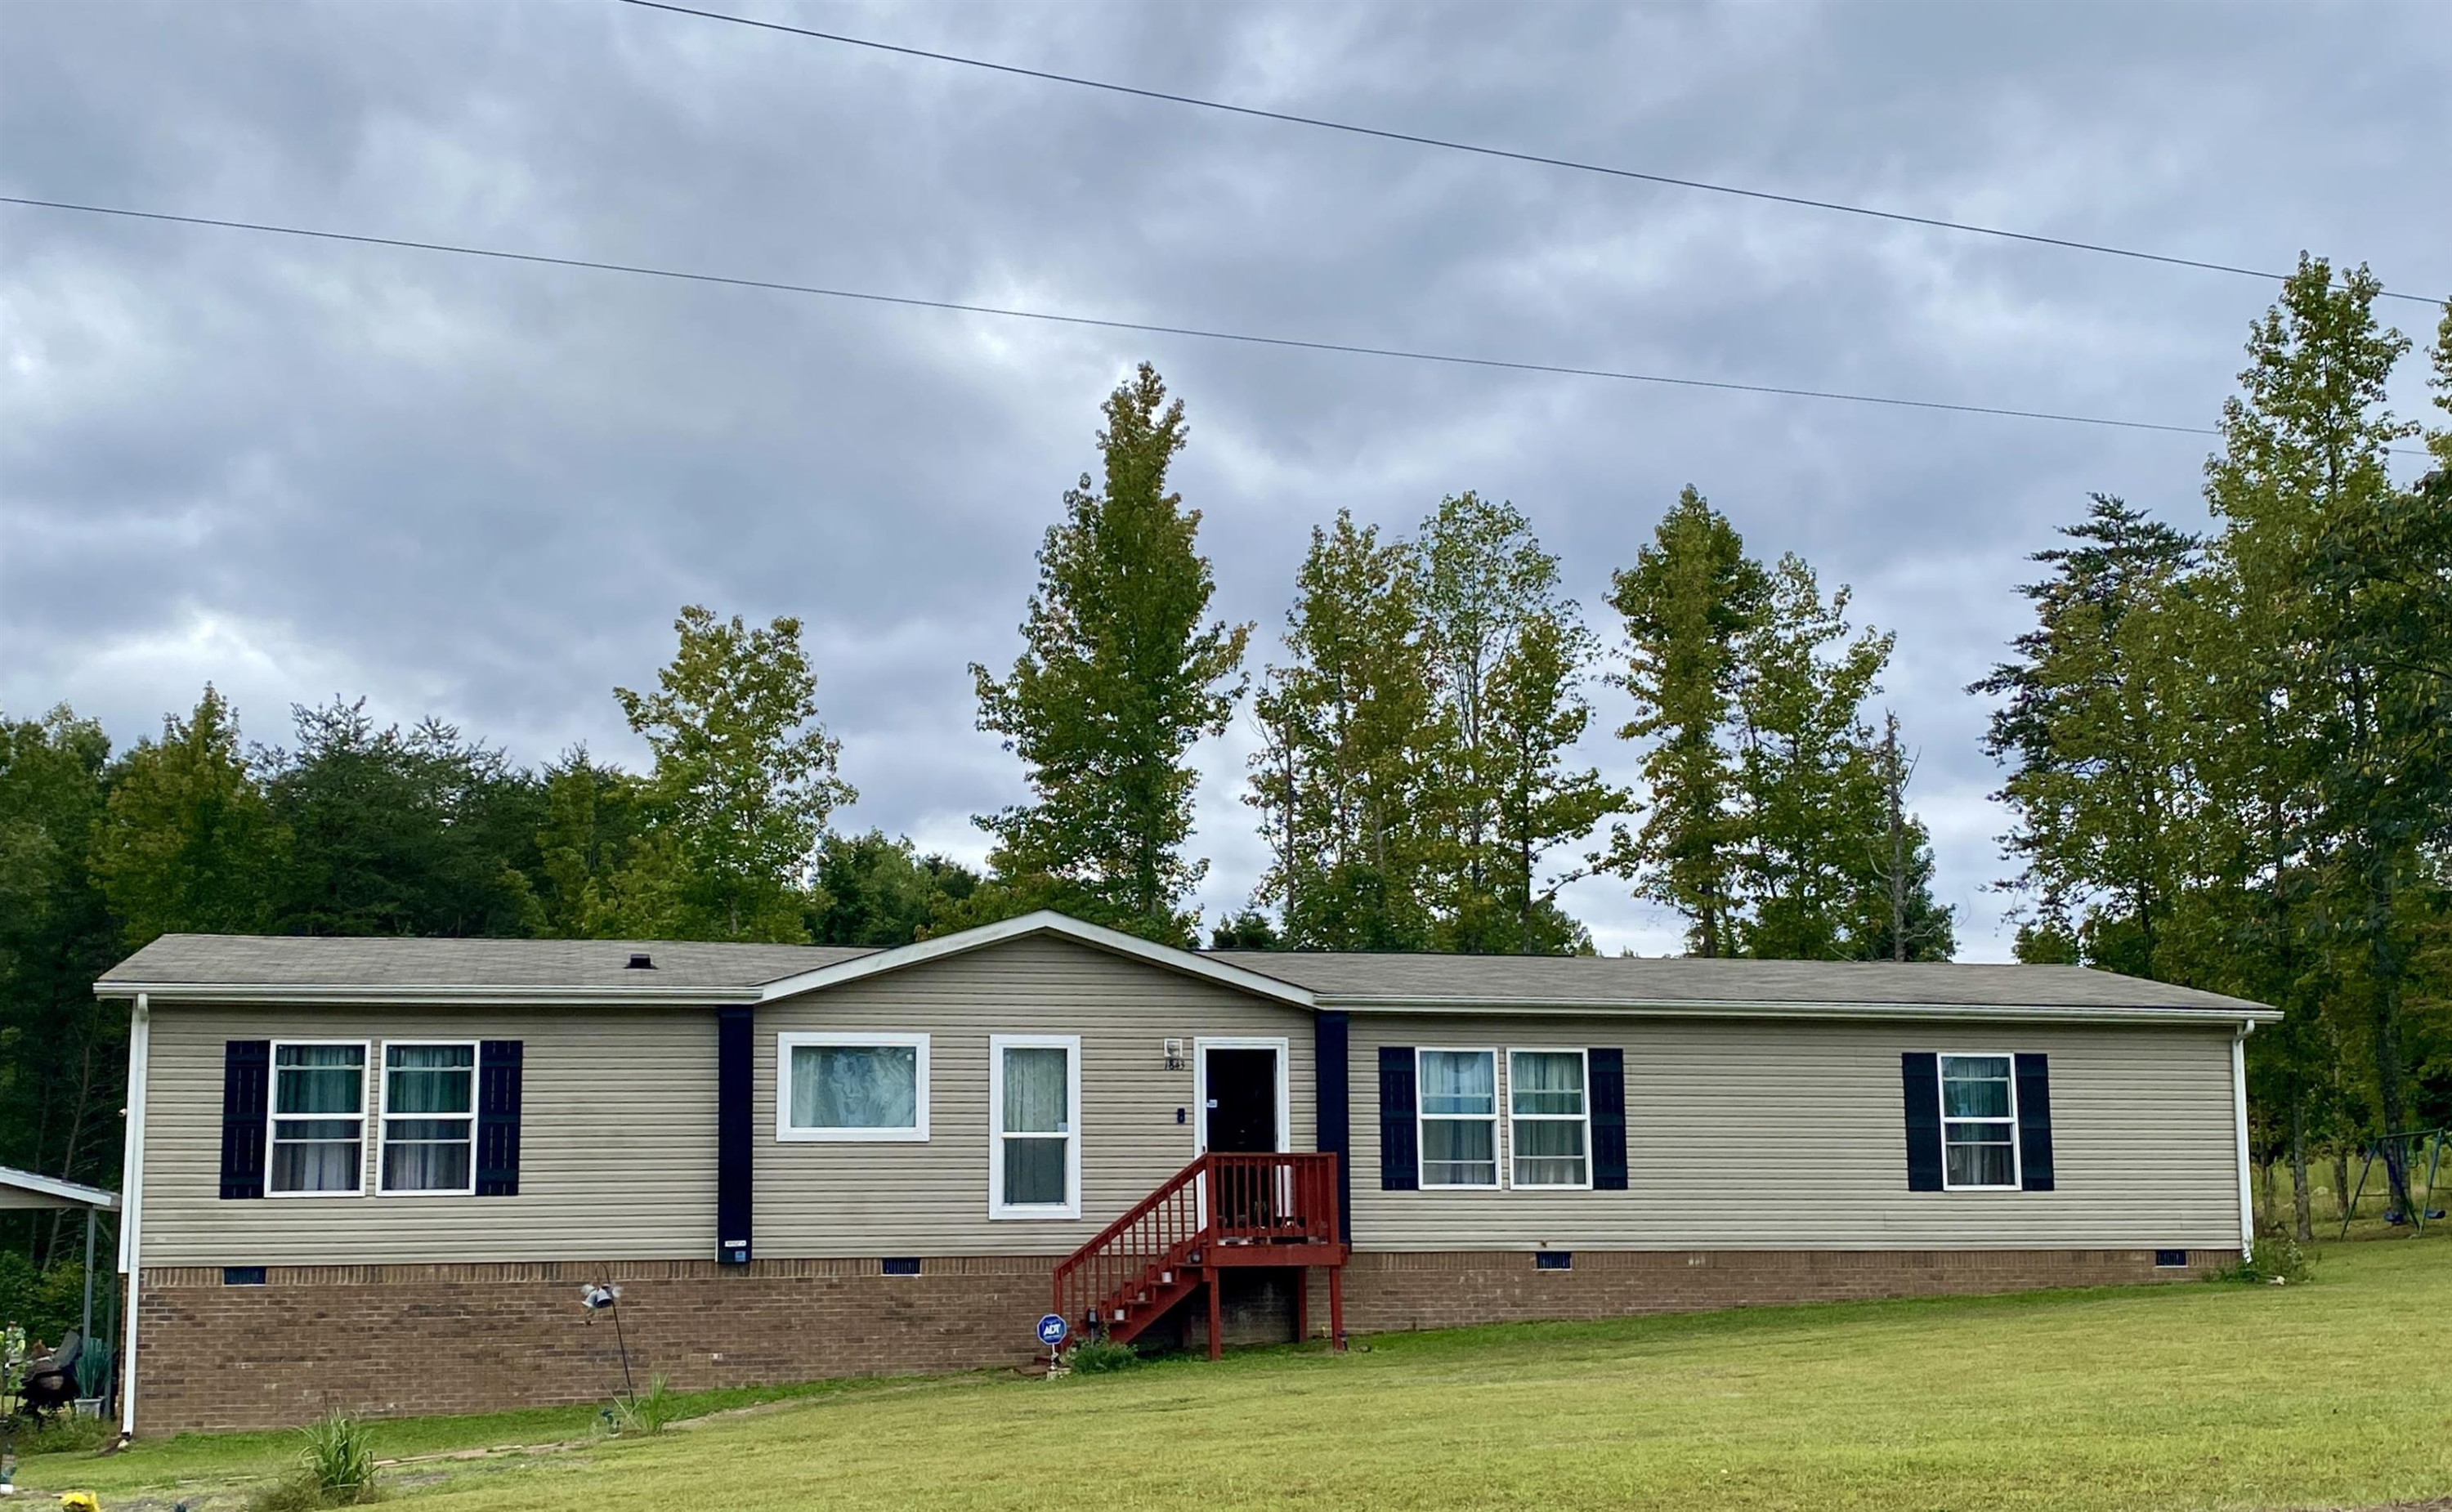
<point>396,1340</point>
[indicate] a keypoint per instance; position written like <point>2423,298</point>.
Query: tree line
<point>2229,754</point>
<point>2223,758</point>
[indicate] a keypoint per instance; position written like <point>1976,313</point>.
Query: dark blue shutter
<point>1609,1118</point>
<point>734,1153</point>
<point>1400,1148</point>
<point>2034,1124</point>
<point>1330,1038</point>
<point>247,1091</point>
<point>499,1064</point>
<point>1920,1076</point>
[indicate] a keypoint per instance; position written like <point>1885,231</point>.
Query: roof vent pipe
<point>641,963</point>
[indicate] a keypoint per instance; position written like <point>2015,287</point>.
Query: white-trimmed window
<point>1034,1126</point>
<point>429,1119</point>
<point>319,1118</point>
<point>1979,1123</point>
<point>851,1087</point>
<point>1459,1116</point>
<point>1549,1104</point>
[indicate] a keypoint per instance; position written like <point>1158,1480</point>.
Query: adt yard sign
<point>1051,1330</point>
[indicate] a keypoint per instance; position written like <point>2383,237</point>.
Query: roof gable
<point>1195,964</point>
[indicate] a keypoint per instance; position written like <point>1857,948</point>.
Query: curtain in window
<point>319,1079</point>
<point>1459,1152</point>
<point>316,1154</point>
<point>428,1078</point>
<point>1037,1123</point>
<point>856,1087</point>
<point>1036,1098</point>
<point>312,1153</point>
<point>1460,1081</point>
<point>1547,1082</point>
<point>1977,1134</point>
<point>426,1154</point>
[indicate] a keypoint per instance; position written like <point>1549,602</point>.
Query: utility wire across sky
<point>1480,149</point>
<point>1049,317</point>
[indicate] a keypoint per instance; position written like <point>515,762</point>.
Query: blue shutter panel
<point>1330,1036</point>
<point>734,1133</point>
<point>247,1094</point>
<point>499,1064</point>
<point>1920,1077</point>
<point>2034,1124</point>
<point>1609,1117</point>
<point>1400,1154</point>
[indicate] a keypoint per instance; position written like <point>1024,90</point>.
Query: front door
<point>1241,1118</point>
<point>1242,1113</point>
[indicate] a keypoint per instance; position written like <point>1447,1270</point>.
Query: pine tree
<point>2094,726</point>
<point>1117,680</point>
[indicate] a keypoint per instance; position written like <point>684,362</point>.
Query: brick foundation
<point>393,1339</point>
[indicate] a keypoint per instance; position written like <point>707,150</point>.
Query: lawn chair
<point>51,1383</point>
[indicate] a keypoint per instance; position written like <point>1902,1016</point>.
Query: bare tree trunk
<point>2303,1223</point>
<point>1898,839</point>
<point>2341,1179</point>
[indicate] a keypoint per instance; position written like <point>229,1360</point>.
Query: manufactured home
<point>377,1174</point>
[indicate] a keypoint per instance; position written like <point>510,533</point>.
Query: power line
<point>1479,149</point>
<point>1147,327</point>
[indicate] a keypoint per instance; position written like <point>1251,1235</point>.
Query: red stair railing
<point>1233,1199</point>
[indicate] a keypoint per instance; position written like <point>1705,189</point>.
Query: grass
<point>2183,1396</point>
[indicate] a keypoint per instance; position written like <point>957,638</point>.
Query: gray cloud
<point>480,490</point>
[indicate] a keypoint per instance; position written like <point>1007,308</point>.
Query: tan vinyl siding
<point>1761,1134</point>
<point>617,1157</point>
<point>828,1200</point>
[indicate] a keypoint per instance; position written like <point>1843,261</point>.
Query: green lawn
<point>2188,1394</point>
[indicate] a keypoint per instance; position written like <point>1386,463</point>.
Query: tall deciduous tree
<point>1808,783</point>
<point>744,777</point>
<point>187,842</point>
<point>1508,655</point>
<point>2344,577</point>
<point>63,1052</point>
<point>1353,736</point>
<point>1688,602</point>
<point>595,817</point>
<point>1117,680</point>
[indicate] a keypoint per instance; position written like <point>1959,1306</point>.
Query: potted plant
<point>93,1378</point>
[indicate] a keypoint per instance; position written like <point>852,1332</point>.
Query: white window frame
<point>789,1132</point>
<point>384,1117</point>
<point>998,1208</point>
<point>1583,1055</point>
<point>1941,1100</point>
<point>272,1119</point>
<point>1497,1120</point>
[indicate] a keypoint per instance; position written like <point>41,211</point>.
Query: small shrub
<point>65,1433</point>
<point>339,1459</point>
<point>645,1412</point>
<point>1094,1357</point>
<point>2278,1260</point>
<point>297,1493</point>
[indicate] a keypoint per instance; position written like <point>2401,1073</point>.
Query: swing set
<point>2411,1143</point>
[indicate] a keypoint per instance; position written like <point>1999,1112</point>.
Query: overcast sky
<point>480,491</point>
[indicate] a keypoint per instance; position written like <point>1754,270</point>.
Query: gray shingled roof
<point>292,961</point>
<point>1636,981</point>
